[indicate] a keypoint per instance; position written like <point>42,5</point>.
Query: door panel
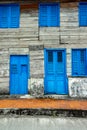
<point>60,82</point>
<point>55,75</point>
<point>14,75</point>
<point>50,84</point>
<point>19,74</point>
<point>60,72</point>
<point>23,79</point>
<point>50,80</point>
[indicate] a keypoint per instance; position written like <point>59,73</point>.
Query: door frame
<point>45,64</point>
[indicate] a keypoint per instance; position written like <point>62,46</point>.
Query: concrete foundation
<point>78,87</point>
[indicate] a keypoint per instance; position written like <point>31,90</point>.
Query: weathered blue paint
<point>79,62</point>
<point>83,14</point>
<point>19,74</point>
<point>49,14</point>
<point>55,72</point>
<point>9,15</point>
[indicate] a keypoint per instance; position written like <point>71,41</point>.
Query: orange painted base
<point>44,103</point>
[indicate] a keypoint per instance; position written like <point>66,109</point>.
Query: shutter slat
<point>54,12</point>
<point>14,16</point>
<point>43,15</point>
<point>54,15</point>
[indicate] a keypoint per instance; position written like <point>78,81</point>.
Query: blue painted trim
<point>45,70</point>
<point>86,61</point>
<point>54,49</point>
<point>65,68</point>
<point>10,74</point>
<point>28,67</point>
<point>71,62</point>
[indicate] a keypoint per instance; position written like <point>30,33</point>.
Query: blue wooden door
<point>19,74</point>
<point>55,72</point>
<point>50,72</point>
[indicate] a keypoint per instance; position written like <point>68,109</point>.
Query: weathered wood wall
<point>31,39</point>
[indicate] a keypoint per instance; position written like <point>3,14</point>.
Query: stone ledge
<point>42,112</point>
<point>58,97</point>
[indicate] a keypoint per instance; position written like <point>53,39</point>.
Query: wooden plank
<point>31,6</point>
<point>4,79</point>
<point>69,4</point>
<point>48,37</point>
<point>49,31</point>
<point>69,19</point>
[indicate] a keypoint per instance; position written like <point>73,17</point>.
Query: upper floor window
<point>9,15</point>
<point>49,15</point>
<point>79,62</point>
<point>83,14</point>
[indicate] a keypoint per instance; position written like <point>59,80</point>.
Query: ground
<point>43,123</point>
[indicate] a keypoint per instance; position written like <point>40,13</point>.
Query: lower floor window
<point>79,62</point>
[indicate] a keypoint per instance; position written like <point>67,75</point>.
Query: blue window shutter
<point>79,62</point>
<point>83,14</point>
<point>82,62</point>
<point>14,19</point>
<point>75,63</point>
<point>4,14</point>
<point>43,15</point>
<point>54,15</point>
<point>86,61</point>
<point>9,15</point>
<point>49,15</point>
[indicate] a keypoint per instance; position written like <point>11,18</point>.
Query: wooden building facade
<point>43,48</point>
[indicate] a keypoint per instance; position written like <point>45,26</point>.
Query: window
<point>79,62</point>
<point>9,15</point>
<point>50,56</point>
<point>49,15</point>
<point>83,14</point>
<point>59,56</point>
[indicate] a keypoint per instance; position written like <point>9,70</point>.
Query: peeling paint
<point>78,87</point>
<point>36,87</point>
